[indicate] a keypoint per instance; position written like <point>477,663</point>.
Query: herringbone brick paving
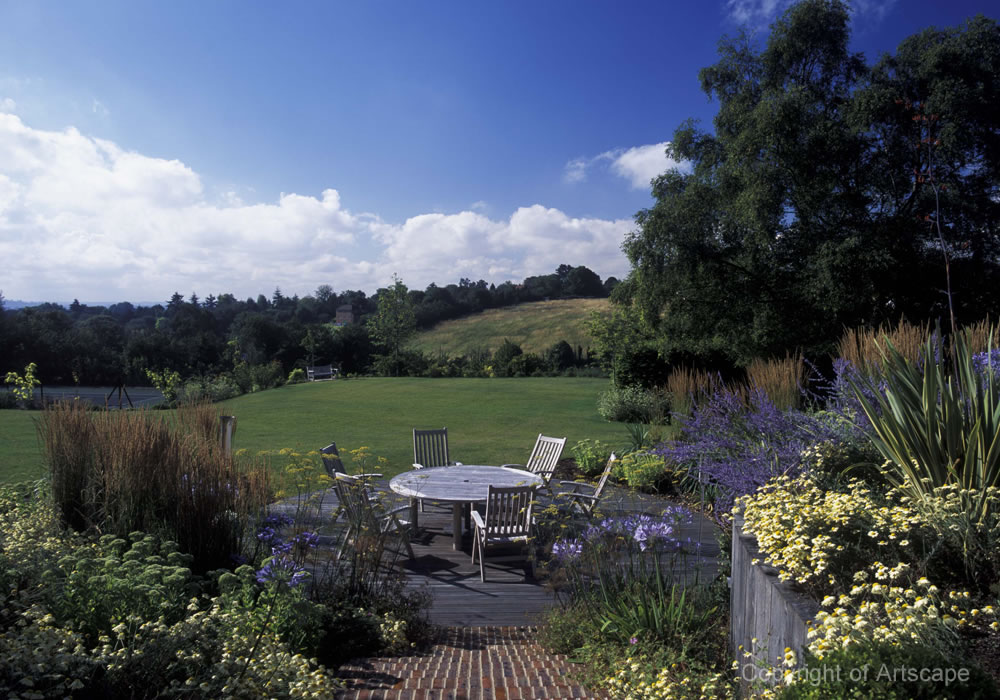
<point>466,663</point>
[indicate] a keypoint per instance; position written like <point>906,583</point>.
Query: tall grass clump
<point>687,386</point>
<point>981,336</point>
<point>116,472</point>
<point>781,379</point>
<point>862,347</point>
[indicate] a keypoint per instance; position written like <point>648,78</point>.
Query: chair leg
<point>406,540</point>
<point>482,564</point>
<point>343,543</point>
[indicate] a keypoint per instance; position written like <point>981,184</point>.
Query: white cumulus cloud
<point>638,164</point>
<point>82,217</point>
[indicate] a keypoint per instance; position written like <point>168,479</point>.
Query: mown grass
<point>535,327</point>
<point>489,421</point>
<point>20,450</point>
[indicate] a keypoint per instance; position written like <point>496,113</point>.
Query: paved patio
<point>484,644</point>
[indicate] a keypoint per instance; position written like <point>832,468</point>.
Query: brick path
<point>466,663</point>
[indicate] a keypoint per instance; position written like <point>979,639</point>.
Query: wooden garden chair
<point>586,497</point>
<point>365,511</point>
<point>544,458</point>
<point>430,449</point>
<point>507,521</point>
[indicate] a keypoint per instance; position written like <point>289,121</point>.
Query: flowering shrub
<point>637,679</point>
<point>105,617</point>
<point>815,536</point>
<point>821,539</point>
<point>887,671</point>
<point>740,444</point>
<point>886,605</point>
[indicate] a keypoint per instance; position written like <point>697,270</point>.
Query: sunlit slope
<point>535,327</point>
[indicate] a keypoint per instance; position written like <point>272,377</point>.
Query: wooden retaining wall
<point>765,609</point>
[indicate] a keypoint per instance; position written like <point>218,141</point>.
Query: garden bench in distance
<point>321,372</point>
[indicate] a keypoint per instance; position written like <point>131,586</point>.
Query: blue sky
<point>209,147</point>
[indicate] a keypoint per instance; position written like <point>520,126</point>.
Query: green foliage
<point>167,381</point>
<point>937,421</point>
<point>110,618</point>
<point>394,321</point>
<point>296,376</point>
<point>633,404</point>
<point>646,472</point>
<point>257,377</point>
<point>211,389</point>
<point>795,215</point>
<point>626,348</point>
<point>884,671</point>
<point>591,456</point>
<point>24,386</point>
<point>504,358</point>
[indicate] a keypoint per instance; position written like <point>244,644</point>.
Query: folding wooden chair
<point>507,521</point>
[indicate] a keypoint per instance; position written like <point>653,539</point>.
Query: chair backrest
<point>331,459</point>
<point>508,511</point>
<point>353,496</point>
<point>430,448</point>
<point>545,456</point>
<point>605,475</point>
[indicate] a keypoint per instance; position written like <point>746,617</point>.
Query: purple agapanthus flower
<point>306,539</point>
<point>281,570</point>
<point>278,520</point>
<point>567,550</point>
<point>647,531</point>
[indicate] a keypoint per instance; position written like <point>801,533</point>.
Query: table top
<point>468,482</point>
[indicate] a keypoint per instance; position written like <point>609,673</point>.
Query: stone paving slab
<point>467,663</point>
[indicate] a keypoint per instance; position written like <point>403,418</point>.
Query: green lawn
<point>489,421</point>
<point>20,453</point>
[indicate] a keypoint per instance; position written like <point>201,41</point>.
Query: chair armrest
<point>514,466</point>
<point>586,496</point>
<point>576,483</point>
<point>417,466</point>
<point>395,511</point>
<point>372,475</point>
<point>457,464</point>
<point>478,520</point>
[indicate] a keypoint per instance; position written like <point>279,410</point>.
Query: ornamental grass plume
<point>122,471</point>
<point>782,380</point>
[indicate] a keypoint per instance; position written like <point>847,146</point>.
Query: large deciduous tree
<point>814,204</point>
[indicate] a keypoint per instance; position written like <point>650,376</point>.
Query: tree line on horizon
<point>108,345</point>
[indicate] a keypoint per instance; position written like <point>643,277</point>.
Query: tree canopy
<point>814,203</point>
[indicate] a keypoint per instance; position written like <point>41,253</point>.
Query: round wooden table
<point>458,485</point>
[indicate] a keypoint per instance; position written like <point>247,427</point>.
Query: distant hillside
<point>535,327</point>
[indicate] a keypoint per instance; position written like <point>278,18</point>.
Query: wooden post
<point>227,429</point>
